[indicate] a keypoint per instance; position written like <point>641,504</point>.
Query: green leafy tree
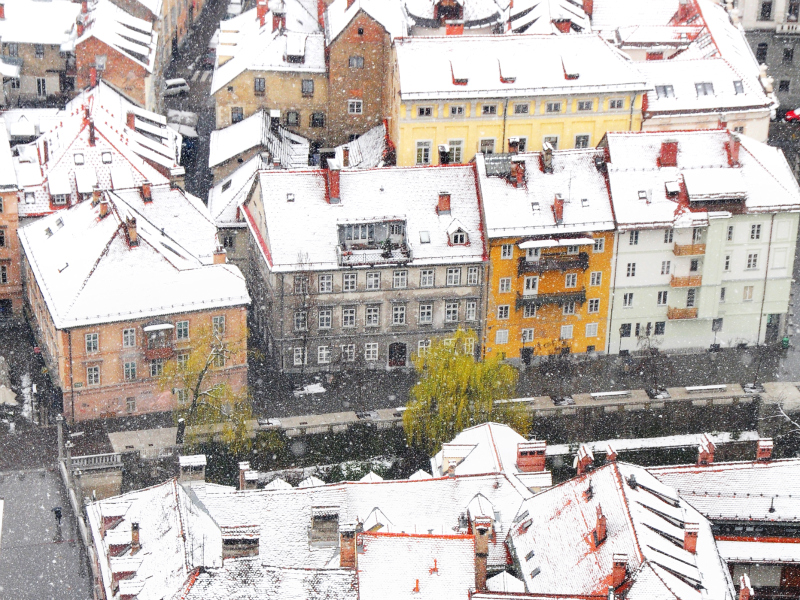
<point>208,404</point>
<point>455,391</point>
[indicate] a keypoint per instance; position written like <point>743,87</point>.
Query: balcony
<point>354,256</point>
<point>689,249</point>
<point>689,281</point>
<point>561,298</point>
<point>681,313</point>
<point>558,262</point>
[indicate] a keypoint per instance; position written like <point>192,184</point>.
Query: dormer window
<point>106,157</point>
<point>704,88</point>
<point>358,233</point>
<point>738,87</point>
<point>458,238</point>
<point>79,160</point>
<point>60,199</point>
<point>665,91</point>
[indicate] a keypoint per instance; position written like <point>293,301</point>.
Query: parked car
<point>210,58</point>
<point>175,87</point>
<point>793,115</point>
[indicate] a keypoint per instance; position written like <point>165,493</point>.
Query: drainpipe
<point>71,386</point>
<point>505,114</point>
<point>611,294</point>
<point>630,122</point>
<point>766,271</point>
<point>281,320</point>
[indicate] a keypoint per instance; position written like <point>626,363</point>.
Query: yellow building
<point>458,95</point>
<point>550,232</point>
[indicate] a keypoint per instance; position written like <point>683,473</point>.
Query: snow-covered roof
<point>292,215</point>
<point>389,13</point>
<point>759,552</point>
<point>500,66</point>
<point>738,490</point>
<point>528,209</point>
<point>30,122</point>
<point>645,519</point>
<point>37,22</point>
<point>8,177</point>
<point>88,273</point>
<point>638,184</point>
<point>610,14</point>
<point>366,152</point>
<point>537,16</point>
<point>230,192</point>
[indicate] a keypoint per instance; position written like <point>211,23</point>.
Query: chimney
<point>2,11</point>
<point>600,530</point>
<point>745,589</point>
<point>348,557</point>
<point>764,449</point>
<point>684,9</point>
<point>92,136</point>
<point>611,453</point>
<point>443,208</point>
<point>93,77</point>
<point>130,120</point>
<point>517,172</point>
<point>563,25</point>
<point>321,13</point>
<point>146,191</point>
<point>454,27</point>
<point>261,12</point>
<point>46,149</point>
<point>451,468</point>
<point>349,4</point>
<point>620,570</point>
<point>135,545</point>
<point>558,209</point>
<point>584,459</point>
<point>531,456</point>
<point>345,156</point>
<point>690,532</point>
<point>332,179</point>
<point>133,236</point>
<point>244,467</point>
<point>547,158</point>
<point>588,7</point>
<point>513,145</point>
<point>220,256</point>
<point>79,25</point>
<point>705,451</point>
<point>732,146</point>
<point>103,208</point>
<point>95,195</point>
<point>274,120</point>
<point>482,528</point>
<point>668,156</point>
<point>85,7</point>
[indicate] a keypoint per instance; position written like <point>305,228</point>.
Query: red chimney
<point>333,185</point>
<point>600,531</point>
<point>278,21</point>
<point>611,453</point>
<point>350,3</point>
<point>93,77</point>
<point>345,156</point>
<point>764,449</point>
<point>2,11</point>
<point>482,528</point>
<point>46,151</point>
<point>620,570</point>
<point>321,13</point>
<point>80,26</point>
<point>444,203</point>
<point>85,7</point>
<point>669,154</point>
<point>103,208</point>
<point>705,451</point>
<point>732,146</point>
<point>92,137</point>
<point>588,7</point>
<point>131,120</point>
<point>563,25</point>
<point>518,172</point>
<point>147,192</point>
<point>348,557</point>
<point>690,532</point>
<point>745,590</point>
<point>244,467</point>
<point>454,28</point>
<point>261,12</point>
<point>584,459</point>
<point>135,544</point>
<point>558,208</point>
<point>531,456</point>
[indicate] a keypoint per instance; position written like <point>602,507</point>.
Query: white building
<point>707,224</point>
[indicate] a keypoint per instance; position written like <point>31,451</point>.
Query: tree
<point>207,402</point>
<point>455,391</point>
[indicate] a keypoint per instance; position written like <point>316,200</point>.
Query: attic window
<point>79,160</point>
<point>738,87</point>
<point>535,206</point>
<point>424,237</point>
<point>324,526</point>
<point>59,222</point>
<point>584,202</point>
<point>290,197</point>
<point>106,157</point>
<point>672,187</point>
<point>704,88</point>
<point>535,572</point>
<point>227,185</point>
<point>665,91</point>
<point>642,195</point>
<point>458,238</point>
<point>530,555</point>
<point>48,232</point>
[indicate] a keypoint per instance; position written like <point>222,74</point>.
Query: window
<point>521,109</point>
<point>459,238</point>
<point>325,284</point>
<point>349,282</point>
<point>399,280</point>
<point>616,104</point>
<point>259,85</point>
<point>761,53</point>
<point>665,91</point>
<point>501,337</point>
<point>755,232</point>
<point>505,285</point>
<point>355,107</point>
<point>571,280</point>
<point>722,294</point>
<point>765,14</point>
<point>599,245</point>
<point>665,267</point>
<point>183,360</point>
<point>532,254</point>
<point>237,114</point>
<point>487,146</point>
<point>15,83</point>
<point>454,276</point>
<point>307,87</point>
<point>423,346</point>
<point>631,272</point>
<point>507,251</point>
<point>553,107</point>
<point>585,105</point>
<point>218,325</point>
<point>691,297</point>
<point>529,311</point>
<point>627,300</point>
<point>13,49</point>
<point>569,308</point>
<point>697,235</point>
<point>752,261</point>
<point>471,311</point>
<point>323,355</point>
<point>157,367</point>
<point>182,330</point>
<point>228,240</point>
<point>2,238</point>
<point>348,352</point>
<point>573,250</point>
<point>694,265</point>
<point>424,111</point>
<point>78,158</point>
<point>456,151</point>
<point>348,317</point>
<point>1,205</point>
<point>594,305</point>
<point>625,330</point>
<point>356,62</point>
<point>668,236</point>
<point>371,351</point>
<point>426,314</point>
<point>60,199</point>
<point>662,299</point>
<point>423,153</point>
<point>318,119</point>
<point>633,238</point>
<point>704,88</point>
<point>591,330</point>
<point>374,280</point>
<point>737,87</point>
<point>325,317</point>
<point>552,140</point>
<point>130,404</point>
<point>41,87</point>
<point>531,285</point>
<point>93,376</point>
<point>527,335</point>
<point>456,111</point>
<point>595,278</point>
<point>729,236</point>
<point>582,141</point>
<point>451,312</point>
<point>398,314</point>
<point>522,145</point>
<point>566,332</point>
<point>292,118</point>
<point>373,316</point>
<point>489,109</point>
<point>128,338</point>
<point>299,356</point>
<point>130,371</point>
<point>426,278</point>
<point>503,311</point>
<point>300,320</point>
<point>92,342</point>
<point>727,263</point>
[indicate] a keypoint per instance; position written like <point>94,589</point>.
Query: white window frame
<point>591,330</point>
<point>355,106</point>
<point>423,152</point>
<point>399,279</point>
<point>553,107</point>
<point>324,355</point>
<point>662,298</point>
<point>348,352</point>
<point>325,284</point>
<point>503,312</point>
<point>666,267</point>
<point>748,293</point>
<point>752,261</point>
<point>398,314</point>
<point>507,251</point>
<point>530,285</point>
<point>568,307</point>
<point>595,278</point>
<point>129,337</point>
<point>627,300</point>
<point>471,310</point>
<point>566,332</point>
<point>299,357</point>
<point>453,276</point>
<point>599,245</point>
<point>182,330</point>
<point>473,276</point>
<point>324,318</point>
<point>93,375</point>
<point>593,305</point>
<point>501,337</point>
<point>92,342</point>
<point>451,312</point>
<point>129,370</point>
<point>371,351</point>
<point>349,316</point>
<point>349,282</point>
<point>372,316</point>
<point>571,280</point>
<point>527,335</point>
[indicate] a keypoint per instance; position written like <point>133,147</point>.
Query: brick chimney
<point>345,156</point>
<point>620,570</point>
<point>92,135</point>
<point>451,468</point>
<point>611,453</point>
<point>517,172</point>
<point>278,21</point>
<point>668,157</point>
<point>220,256</point>
<point>130,120</point>
<point>135,544</point>
<point>732,146</point>
<point>513,145</point>
<point>95,195</point>
<point>690,532</point>
<point>46,149</point>
<point>482,528</point>
<point>443,207</point>
<point>79,26</point>
<point>350,3</point>
<point>531,456</point>
<point>244,467</point>
<point>146,191</point>
<point>348,557</point>
<point>764,449</point>
<point>133,235</point>
<point>547,158</point>
<point>584,459</point>
<point>93,77</point>
<point>262,8</point>
<point>558,208</point>
<point>601,529</point>
<point>745,589</point>
<point>563,25</point>
<point>2,11</point>
<point>454,27</point>
<point>332,179</point>
<point>705,451</point>
<point>103,208</point>
<point>588,7</point>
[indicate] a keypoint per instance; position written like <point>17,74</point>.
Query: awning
<point>59,183</point>
<point>86,178</point>
<point>158,327</point>
<point>556,243</point>
<point>121,178</point>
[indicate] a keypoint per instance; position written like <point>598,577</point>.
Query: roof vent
<point>632,482</point>
<point>290,197</point>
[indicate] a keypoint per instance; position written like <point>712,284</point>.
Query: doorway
<point>397,355</point>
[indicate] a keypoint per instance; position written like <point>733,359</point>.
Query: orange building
<point>550,228</point>
<point>10,281</point>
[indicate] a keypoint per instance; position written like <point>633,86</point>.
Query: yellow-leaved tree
<point>455,391</point>
<point>209,405</point>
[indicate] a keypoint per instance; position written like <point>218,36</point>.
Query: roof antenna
<point>772,505</point>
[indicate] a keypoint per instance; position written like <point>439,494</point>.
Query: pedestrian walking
<point>57,512</point>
